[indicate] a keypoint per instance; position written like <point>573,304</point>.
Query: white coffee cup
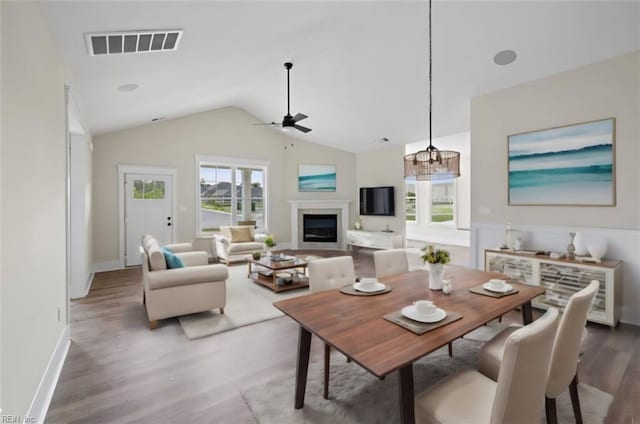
<point>425,307</point>
<point>496,284</point>
<point>368,283</point>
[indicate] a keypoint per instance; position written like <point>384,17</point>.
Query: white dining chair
<point>390,262</point>
<point>470,397</point>
<point>327,274</point>
<point>564,356</point>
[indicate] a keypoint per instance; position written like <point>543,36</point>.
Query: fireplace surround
<point>321,212</point>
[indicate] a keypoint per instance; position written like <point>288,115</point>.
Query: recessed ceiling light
<point>128,87</point>
<point>505,57</point>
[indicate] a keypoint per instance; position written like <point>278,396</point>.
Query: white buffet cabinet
<point>374,239</point>
<point>561,278</point>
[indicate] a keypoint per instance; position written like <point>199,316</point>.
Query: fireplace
<point>320,228</point>
<point>322,234</point>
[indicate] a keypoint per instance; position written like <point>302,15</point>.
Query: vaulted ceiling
<point>360,68</point>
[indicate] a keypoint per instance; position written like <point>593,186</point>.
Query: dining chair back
<point>564,356</point>
<point>523,371</point>
<point>467,396</point>
<point>390,262</point>
<point>331,273</point>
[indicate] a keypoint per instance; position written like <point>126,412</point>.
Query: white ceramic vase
<point>597,248</point>
<point>580,244</point>
<point>436,272</point>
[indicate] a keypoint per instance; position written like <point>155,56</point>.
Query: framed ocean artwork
<point>573,165</point>
<point>316,177</point>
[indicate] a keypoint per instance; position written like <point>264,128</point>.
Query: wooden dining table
<point>354,325</point>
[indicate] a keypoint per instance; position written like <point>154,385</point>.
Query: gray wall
<point>33,237</point>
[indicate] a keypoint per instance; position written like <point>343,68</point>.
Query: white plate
<point>504,289</point>
<point>411,313</point>
<point>372,289</point>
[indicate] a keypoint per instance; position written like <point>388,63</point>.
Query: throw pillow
<point>172,260</point>
<point>240,234</point>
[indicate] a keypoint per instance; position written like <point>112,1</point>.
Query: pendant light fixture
<point>431,163</point>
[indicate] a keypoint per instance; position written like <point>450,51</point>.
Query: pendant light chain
<point>431,163</point>
<point>430,79</point>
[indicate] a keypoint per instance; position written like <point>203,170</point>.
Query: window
<point>443,193</point>
<point>148,189</point>
<point>230,193</point>
<point>430,202</point>
<point>410,200</point>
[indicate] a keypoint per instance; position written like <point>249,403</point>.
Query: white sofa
<point>195,288</point>
<point>237,241</point>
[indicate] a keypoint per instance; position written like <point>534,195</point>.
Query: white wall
<point>457,234</point>
<point>81,216</point>
<point>606,89</point>
<point>382,167</point>
<point>33,238</point>
<point>227,132</point>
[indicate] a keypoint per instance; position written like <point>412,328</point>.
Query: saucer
<point>411,313</point>
<point>374,288</point>
<point>504,289</point>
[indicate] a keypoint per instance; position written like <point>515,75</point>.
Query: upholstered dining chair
<point>468,396</point>
<point>327,274</point>
<point>564,356</point>
<point>390,262</point>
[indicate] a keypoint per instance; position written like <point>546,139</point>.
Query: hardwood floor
<point>118,371</point>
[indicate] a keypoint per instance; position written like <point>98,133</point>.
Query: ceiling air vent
<point>133,41</point>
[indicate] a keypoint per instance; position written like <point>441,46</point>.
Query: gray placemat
<point>417,327</point>
<point>352,291</point>
<point>481,290</point>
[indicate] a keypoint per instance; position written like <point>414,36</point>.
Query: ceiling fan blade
<point>299,117</point>
<point>266,123</point>
<point>301,128</point>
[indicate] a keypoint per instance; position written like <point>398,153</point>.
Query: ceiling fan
<point>289,121</point>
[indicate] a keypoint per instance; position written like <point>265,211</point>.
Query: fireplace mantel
<point>319,205</point>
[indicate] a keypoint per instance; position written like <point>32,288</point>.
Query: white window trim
<point>424,219</point>
<point>205,160</point>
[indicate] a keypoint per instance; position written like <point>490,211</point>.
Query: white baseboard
<point>42,398</point>
<point>87,287</point>
<point>107,266</point>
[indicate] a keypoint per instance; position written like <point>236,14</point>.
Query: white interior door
<point>148,210</point>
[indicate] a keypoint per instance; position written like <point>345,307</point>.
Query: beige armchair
<point>235,242</point>
<point>469,397</point>
<point>564,357</point>
<point>167,292</point>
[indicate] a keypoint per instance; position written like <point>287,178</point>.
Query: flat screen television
<point>377,201</point>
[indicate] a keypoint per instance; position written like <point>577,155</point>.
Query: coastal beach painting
<point>570,165</point>
<point>316,177</point>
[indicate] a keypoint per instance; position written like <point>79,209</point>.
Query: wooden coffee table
<point>264,271</point>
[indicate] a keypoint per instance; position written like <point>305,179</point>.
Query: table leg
<point>527,313</point>
<point>407,414</point>
<point>302,366</point>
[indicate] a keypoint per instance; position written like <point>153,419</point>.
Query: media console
<point>374,239</point>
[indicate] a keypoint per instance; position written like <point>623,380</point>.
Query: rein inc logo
<point>16,419</point>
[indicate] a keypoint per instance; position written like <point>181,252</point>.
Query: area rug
<point>358,397</point>
<point>247,303</point>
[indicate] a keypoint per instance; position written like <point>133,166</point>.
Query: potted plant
<point>436,258</point>
<point>269,243</point>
